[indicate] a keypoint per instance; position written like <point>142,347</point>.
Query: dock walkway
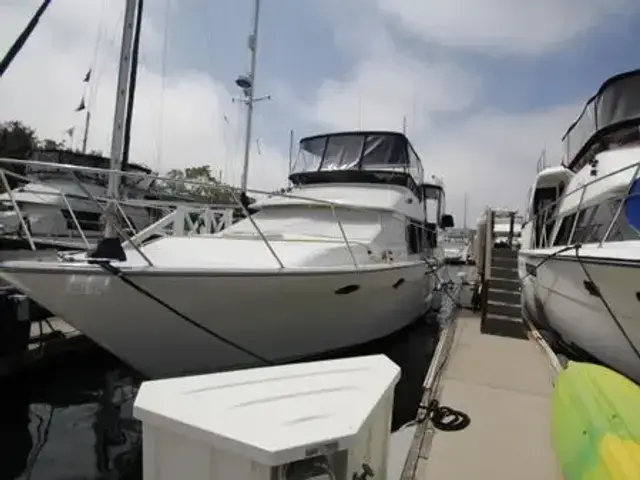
<point>504,385</point>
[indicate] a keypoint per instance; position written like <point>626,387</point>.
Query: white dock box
<point>317,420</point>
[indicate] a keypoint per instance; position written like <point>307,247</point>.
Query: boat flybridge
<point>336,261</point>
<point>580,257</point>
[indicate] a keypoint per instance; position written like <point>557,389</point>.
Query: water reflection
<point>71,421</point>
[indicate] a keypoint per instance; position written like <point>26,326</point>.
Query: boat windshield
<point>358,151</point>
<point>433,195</point>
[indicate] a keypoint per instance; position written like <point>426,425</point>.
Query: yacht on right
<point>579,264</point>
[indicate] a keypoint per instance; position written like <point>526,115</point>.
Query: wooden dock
<point>504,385</point>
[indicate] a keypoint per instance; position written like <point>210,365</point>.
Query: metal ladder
<point>500,300</point>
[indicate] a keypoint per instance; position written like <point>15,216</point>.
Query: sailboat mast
<point>85,135</point>
<point>249,94</point>
<point>133,80</point>
<point>465,212</point>
<point>119,117</point>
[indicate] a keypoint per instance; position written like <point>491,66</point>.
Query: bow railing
<point>184,218</point>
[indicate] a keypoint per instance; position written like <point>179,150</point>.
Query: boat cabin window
<point>380,152</point>
<point>414,237</point>
<point>434,202</point>
<point>583,228</point>
<point>564,232</point>
<point>592,224</point>
<point>544,212</point>
<point>310,157</point>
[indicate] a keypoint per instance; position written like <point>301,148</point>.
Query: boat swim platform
<point>504,385</point>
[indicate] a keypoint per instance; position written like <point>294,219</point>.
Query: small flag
<point>87,77</point>
<point>69,131</point>
<point>82,105</point>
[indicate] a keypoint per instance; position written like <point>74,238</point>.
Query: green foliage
<point>17,140</point>
<point>214,192</point>
<point>48,144</point>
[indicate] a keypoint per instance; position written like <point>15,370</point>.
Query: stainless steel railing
<point>179,213</point>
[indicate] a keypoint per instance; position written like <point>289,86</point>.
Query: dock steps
<point>502,312</point>
<point>503,309</point>
<point>505,296</point>
<point>505,284</point>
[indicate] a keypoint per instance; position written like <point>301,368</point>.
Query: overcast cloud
<point>484,85</point>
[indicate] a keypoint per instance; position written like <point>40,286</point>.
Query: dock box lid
<point>271,415</point>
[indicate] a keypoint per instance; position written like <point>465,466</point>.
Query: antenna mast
<point>291,142</point>
<point>247,84</point>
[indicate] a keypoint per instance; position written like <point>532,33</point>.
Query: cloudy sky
<point>485,85</point>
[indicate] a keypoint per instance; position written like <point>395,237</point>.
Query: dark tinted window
<point>594,221</point>
<point>414,237</point>
<point>562,238</point>
<point>583,225</point>
<point>599,221</point>
<point>621,230</point>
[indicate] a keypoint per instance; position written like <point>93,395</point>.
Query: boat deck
<point>505,387</point>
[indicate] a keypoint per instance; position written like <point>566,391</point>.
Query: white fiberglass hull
<point>557,296</point>
<point>279,316</point>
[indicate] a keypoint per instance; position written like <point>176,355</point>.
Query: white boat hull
<point>279,316</point>
<point>557,297</point>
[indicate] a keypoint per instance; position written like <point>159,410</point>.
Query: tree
<point>214,192</point>
<point>16,141</point>
<point>48,144</point>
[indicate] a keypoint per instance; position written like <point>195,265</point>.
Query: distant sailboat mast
<point>87,117</point>
<point>465,212</point>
